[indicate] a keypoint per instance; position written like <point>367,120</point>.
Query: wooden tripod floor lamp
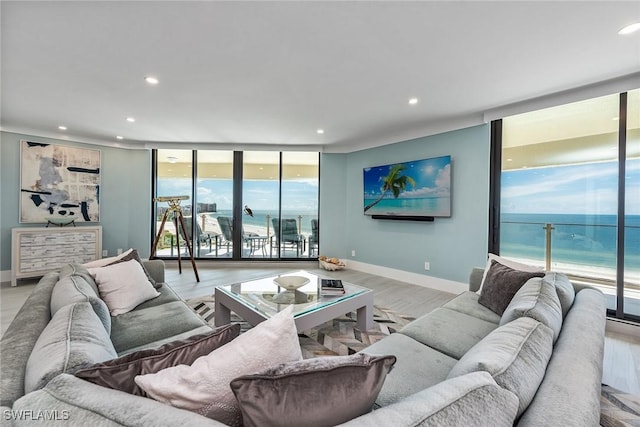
<point>178,219</point>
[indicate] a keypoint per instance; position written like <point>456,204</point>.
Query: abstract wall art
<point>59,184</point>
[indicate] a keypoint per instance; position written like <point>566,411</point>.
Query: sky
<point>432,177</point>
<point>574,189</point>
<point>259,195</point>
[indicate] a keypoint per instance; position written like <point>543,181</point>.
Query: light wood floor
<point>622,351</point>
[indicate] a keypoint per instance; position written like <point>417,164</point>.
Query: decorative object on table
<point>329,287</point>
<point>178,219</point>
<point>59,182</point>
<point>291,283</point>
<point>291,295</point>
<point>331,264</point>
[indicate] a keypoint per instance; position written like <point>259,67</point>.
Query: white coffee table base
<point>362,303</point>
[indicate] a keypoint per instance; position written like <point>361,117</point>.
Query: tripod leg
<point>188,243</point>
<point>176,225</point>
<point>157,239</point>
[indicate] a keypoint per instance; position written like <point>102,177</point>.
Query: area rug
<point>340,337</point>
<point>337,337</point>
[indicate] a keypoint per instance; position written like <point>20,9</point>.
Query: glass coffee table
<point>258,300</point>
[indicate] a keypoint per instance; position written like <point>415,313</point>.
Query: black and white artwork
<point>59,184</point>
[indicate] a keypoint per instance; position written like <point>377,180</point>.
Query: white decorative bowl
<point>291,283</point>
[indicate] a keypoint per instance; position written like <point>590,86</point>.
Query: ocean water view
<point>431,206</point>
<point>258,222</point>
<point>584,244</point>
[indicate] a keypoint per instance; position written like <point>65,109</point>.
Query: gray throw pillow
<point>516,355</point>
<point>501,284</point>
<point>73,288</point>
<point>118,373</point>
<point>564,288</point>
<point>314,392</point>
<point>536,299</point>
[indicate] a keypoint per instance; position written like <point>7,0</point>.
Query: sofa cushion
<point>72,289</point>
<point>74,338</point>
<point>123,286</point>
<point>509,263</point>
<point>141,327</point>
<point>501,284</point>
<point>516,356</point>
<point>467,303</point>
<point>571,388</point>
<point>536,299</point>
<point>119,373</point>
<point>322,391</point>
<point>204,388</point>
<point>418,367</point>
<point>564,288</point>
<point>18,341</point>
<point>75,402</point>
<point>437,328</point>
<point>469,400</point>
<point>79,270</point>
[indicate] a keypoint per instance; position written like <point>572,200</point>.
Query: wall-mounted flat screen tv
<point>416,189</point>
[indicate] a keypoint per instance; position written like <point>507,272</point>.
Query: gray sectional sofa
<point>538,364</point>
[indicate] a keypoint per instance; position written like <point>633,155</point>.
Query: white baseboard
<point>406,276</point>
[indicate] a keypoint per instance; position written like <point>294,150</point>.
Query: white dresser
<point>36,251</point>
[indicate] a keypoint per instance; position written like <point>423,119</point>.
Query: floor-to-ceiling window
<point>632,206</point>
<point>240,205</point>
<point>559,189</point>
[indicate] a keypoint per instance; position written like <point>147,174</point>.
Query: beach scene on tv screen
<point>415,188</point>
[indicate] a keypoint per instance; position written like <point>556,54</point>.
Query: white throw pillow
<point>106,261</point>
<point>509,263</point>
<point>204,386</point>
<point>123,286</point>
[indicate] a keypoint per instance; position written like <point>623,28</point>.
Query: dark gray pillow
<point>323,391</point>
<point>134,255</point>
<point>501,284</point>
<point>119,373</point>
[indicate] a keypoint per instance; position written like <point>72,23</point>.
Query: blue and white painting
<point>417,188</point>
<point>59,184</point>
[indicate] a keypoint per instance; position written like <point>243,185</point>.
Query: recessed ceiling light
<point>320,131</point>
<point>62,127</point>
<point>119,137</point>
<point>151,80</point>
<point>413,101</point>
<point>630,29</point>
<point>509,160</point>
<point>172,159</point>
<point>615,118</point>
<point>131,119</point>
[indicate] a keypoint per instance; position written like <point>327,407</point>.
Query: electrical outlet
<point>353,252</point>
<point>105,253</point>
<point>119,251</point>
<point>427,265</point>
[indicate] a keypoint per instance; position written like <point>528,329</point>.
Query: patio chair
<point>226,227</point>
<point>201,236</point>
<point>289,236</point>
<point>314,238</point>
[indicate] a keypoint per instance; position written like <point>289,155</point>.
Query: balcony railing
<point>586,252</point>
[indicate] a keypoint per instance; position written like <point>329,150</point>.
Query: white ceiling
<point>272,73</point>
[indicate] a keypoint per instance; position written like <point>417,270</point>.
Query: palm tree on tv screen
<point>395,182</point>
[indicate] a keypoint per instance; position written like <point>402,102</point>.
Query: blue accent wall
<point>452,246</point>
<point>125,195</point>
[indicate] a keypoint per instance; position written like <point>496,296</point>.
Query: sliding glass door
<point>560,203</point>
<point>239,205</point>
